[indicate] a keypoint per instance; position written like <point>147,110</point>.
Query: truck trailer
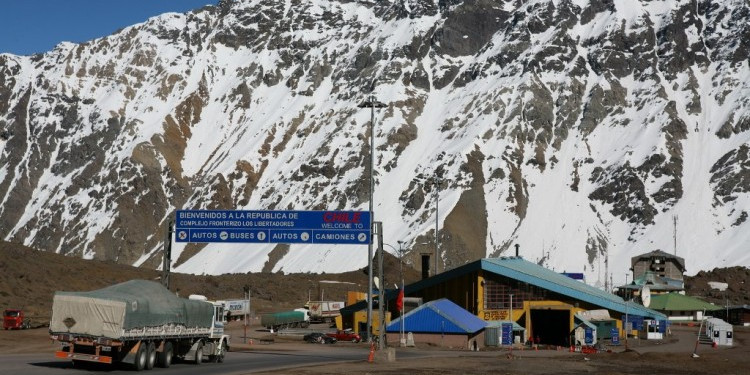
<point>297,318</point>
<point>138,322</point>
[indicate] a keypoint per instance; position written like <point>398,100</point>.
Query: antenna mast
<point>674,219</point>
<point>606,269</point>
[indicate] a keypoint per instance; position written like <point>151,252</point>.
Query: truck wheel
<point>140,357</point>
<point>164,359</point>
<point>199,354</point>
<point>220,357</point>
<point>150,355</point>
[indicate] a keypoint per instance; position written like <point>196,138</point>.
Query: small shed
<point>441,323</point>
<point>494,331</point>
<point>653,329</point>
<point>584,333</point>
<point>601,319</point>
<point>720,332</point>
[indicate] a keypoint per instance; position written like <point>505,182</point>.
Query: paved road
<point>243,362</point>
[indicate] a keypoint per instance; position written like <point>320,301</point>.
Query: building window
<point>497,294</point>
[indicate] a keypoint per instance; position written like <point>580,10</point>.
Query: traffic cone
<point>371,356</point>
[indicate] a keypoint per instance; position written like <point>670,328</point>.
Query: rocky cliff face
<point>578,129</point>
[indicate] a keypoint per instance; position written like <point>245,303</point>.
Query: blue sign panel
<point>588,336</point>
<point>615,336</point>
<point>321,227</point>
<point>507,334</point>
<point>636,321</point>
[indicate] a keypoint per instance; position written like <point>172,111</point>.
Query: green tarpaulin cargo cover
<point>134,304</point>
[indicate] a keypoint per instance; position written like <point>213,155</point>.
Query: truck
<point>13,319</point>
<point>324,311</point>
<point>297,318</point>
<point>137,322</point>
<point>236,309</point>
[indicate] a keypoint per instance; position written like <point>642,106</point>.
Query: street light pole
<point>401,339</point>
<point>512,321</point>
<point>437,217</point>
<point>371,103</point>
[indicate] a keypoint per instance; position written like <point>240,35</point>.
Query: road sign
<point>321,227</point>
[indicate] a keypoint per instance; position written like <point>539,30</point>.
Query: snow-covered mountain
<point>580,130</point>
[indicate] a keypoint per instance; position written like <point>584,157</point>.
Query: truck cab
<point>13,319</point>
<point>220,320</point>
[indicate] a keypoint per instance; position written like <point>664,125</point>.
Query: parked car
<point>319,338</point>
<point>345,335</point>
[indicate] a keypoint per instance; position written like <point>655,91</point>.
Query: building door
<point>552,327</point>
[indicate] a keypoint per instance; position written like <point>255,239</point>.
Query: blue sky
<point>31,26</point>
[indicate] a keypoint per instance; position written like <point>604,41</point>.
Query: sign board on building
<point>236,226</point>
<point>496,315</point>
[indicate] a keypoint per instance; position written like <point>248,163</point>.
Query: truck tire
<point>164,359</point>
<point>150,355</point>
<point>199,354</point>
<point>220,357</point>
<point>140,357</point>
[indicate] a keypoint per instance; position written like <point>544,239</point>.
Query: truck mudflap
<point>83,357</point>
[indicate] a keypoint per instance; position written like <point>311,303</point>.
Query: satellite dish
<point>376,281</point>
<point>646,296</point>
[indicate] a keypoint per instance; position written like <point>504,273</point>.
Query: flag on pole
<point>400,300</point>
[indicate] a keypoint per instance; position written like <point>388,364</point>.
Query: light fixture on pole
<point>371,103</point>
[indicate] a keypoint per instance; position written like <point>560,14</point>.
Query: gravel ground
<point>664,357</point>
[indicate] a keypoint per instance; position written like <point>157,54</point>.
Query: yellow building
<point>542,301</point>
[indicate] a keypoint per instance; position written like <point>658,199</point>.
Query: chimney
<point>517,246</point>
<point>425,265</point>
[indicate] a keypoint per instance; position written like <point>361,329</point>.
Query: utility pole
<point>381,295</point>
<point>674,220</point>
<point>627,322</point>
<point>371,103</point>
<point>437,181</point>
<point>512,321</point>
<point>402,340</point>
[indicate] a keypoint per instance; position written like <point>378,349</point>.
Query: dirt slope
<point>29,279</point>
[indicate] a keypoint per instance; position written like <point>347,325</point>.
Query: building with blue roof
<point>542,301</point>
<point>442,323</point>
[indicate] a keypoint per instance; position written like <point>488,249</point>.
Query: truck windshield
<point>11,314</point>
